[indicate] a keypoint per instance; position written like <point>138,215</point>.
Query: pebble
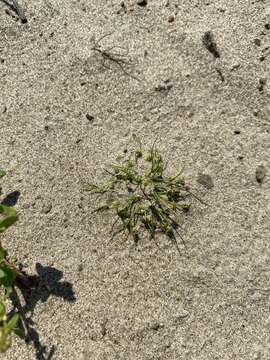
<point>142,2</point>
<point>171,18</point>
<point>183,314</point>
<point>205,180</point>
<point>257,42</point>
<point>156,326</point>
<point>46,208</point>
<point>260,173</point>
<point>210,44</point>
<point>80,267</point>
<point>262,82</point>
<point>165,86</point>
<point>89,117</point>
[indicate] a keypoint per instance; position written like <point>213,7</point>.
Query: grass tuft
<point>142,197</point>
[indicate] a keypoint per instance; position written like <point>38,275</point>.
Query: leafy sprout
<point>142,197</point>
<point>8,274</point>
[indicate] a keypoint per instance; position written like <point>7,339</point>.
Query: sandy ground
<point>65,112</point>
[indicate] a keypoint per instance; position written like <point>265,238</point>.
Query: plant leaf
<point>10,216</point>
<point>10,326</point>
<point>2,310</point>
<point>2,173</point>
<point>3,253</point>
<point>7,276</point>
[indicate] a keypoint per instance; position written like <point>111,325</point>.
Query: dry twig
<point>14,5</point>
<point>115,54</point>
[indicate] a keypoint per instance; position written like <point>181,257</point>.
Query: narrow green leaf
<point>7,222</point>
<point>7,210</point>
<point>2,310</point>
<point>2,173</point>
<point>19,332</point>
<point>3,253</point>
<point>12,323</point>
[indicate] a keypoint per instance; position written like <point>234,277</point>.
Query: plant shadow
<point>39,288</point>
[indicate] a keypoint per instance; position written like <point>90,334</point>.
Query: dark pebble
<point>80,268</point>
<point>142,2</point>
<point>89,117</point>
<point>257,42</point>
<point>260,173</point>
<point>262,82</point>
<point>157,326</point>
<point>210,44</point>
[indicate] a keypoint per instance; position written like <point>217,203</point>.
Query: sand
<point>66,111</point>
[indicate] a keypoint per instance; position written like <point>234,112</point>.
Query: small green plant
<point>8,274</point>
<point>142,197</point>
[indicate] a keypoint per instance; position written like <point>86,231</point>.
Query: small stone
<point>46,208</point>
<point>205,180</point>
<point>171,18</point>
<point>80,267</point>
<point>260,173</point>
<point>164,87</point>
<point>235,66</point>
<point>257,42</point>
<point>156,326</point>
<point>142,2</point>
<point>89,117</point>
<point>210,44</point>
<point>262,82</point>
<point>267,26</point>
<point>103,326</point>
<point>183,314</point>
<point>237,132</point>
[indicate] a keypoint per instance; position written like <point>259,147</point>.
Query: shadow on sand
<point>39,288</point>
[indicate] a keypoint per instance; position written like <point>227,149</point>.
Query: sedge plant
<point>142,197</point>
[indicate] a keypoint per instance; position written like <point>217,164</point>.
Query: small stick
<point>210,44</point>
<point>19,11</point>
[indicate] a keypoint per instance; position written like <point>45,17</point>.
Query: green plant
<point>142,197</point>
<point>8,274</point>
